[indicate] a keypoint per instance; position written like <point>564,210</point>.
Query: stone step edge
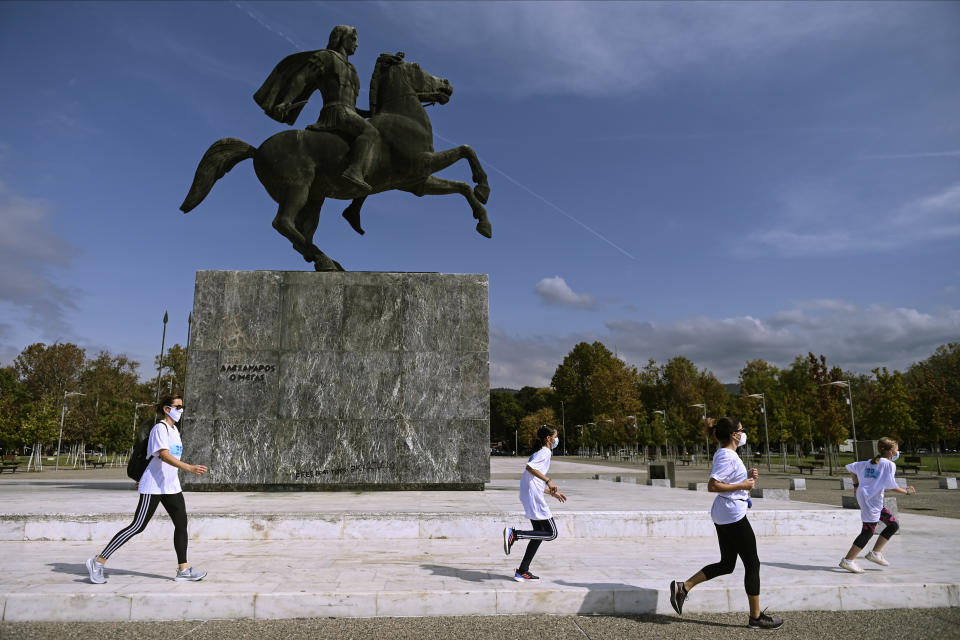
<point>313,526</point>
<point>86,605</point>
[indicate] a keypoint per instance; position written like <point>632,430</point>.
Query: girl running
<point>731,481</point>
<point>871,478</point>
<point>159,484</point>
<point>533,485</point>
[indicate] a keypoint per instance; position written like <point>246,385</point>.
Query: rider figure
<point>329,71</point>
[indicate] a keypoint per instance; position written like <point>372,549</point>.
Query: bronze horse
<point>301,168</point>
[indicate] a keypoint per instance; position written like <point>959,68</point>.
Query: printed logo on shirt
<point>870,472</point>
<point>176,451</point>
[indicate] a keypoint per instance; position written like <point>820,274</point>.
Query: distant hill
<point>512,392</point>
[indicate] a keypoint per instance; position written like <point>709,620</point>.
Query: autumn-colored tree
<point>830,416</point>
<point>527,435</point>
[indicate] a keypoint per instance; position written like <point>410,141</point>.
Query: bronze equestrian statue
<point>343,156</point>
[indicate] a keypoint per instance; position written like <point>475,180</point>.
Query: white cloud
<point>820,221</point>
<point>29,247</point>
<point>858,339</point>
<point>555,290</point>
<point>617,47</point>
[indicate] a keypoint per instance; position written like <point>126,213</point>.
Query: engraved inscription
<point>246,372</point>
<point>338,471</point>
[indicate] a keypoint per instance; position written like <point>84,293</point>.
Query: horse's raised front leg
<point>352,214</point>
<point>438,160</point>
<point>439,186</point>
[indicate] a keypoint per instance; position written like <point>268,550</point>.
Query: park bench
<point>809,467</point>
<point>96,463</point>
<point>910,462</point>
<point>12,466</point>
<point>685,460</point>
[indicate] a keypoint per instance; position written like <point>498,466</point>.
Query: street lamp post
<point>63,413</point>
<point>706,440</point>
<point>135,410</point>
<point>636,441</point>
<point>763,410</point>
<point>563,426</point>
<point>846,385</point>
<point>663,416</point>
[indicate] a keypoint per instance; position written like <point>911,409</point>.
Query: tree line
<point>602,402</point>
<point>95,397</point>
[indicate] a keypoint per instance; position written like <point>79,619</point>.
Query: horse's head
<point>394,77</point>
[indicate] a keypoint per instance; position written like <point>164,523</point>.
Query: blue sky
<point>721,181</point>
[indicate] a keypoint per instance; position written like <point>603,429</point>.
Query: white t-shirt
<point>161,477</point>
<point>874,480</point>
<point>731,506</point>
<point>532,488</point>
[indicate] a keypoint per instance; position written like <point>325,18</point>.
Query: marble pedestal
<point>338,381</point>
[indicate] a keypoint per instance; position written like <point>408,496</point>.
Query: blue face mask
<point>895,456</point>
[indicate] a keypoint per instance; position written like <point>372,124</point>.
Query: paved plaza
<point>395,554</point>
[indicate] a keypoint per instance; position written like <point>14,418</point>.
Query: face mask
<point>555,443</point>
<point>743,439</point>
<point>895,456</point>
<point>175,414</point>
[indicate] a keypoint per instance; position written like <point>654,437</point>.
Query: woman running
<point>731,481</point>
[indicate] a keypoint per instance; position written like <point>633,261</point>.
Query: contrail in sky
<point>536,195</point>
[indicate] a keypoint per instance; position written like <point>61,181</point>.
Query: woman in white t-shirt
<point>159,484</point>
<point>872,478</point>
<point>732,482</point>
<point>534,484</point>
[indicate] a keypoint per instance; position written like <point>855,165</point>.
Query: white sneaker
<point>876,556</point>
<point>189,574</point>
<point>850,566</point>
<point>95,569</point>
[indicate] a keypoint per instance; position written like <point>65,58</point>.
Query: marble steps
<point>46,581</point>
<point>355,525</point>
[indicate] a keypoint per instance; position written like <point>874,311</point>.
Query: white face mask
<point>556,441</point>
<point>743,439</point>
<point>175,414</point>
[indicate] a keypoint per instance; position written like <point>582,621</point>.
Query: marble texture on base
<point>328,381</point>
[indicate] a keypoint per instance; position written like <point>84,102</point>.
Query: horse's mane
<point>384,59</point>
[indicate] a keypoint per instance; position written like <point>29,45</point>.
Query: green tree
<point>505,416</point>
<point>49,370</point>
<point>890,412</point>
<point>174,373</point>
<point>573,383</point>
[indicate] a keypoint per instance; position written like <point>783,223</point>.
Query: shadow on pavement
<point>465,574</point>
<point>81,570</point>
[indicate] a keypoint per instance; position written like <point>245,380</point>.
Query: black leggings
<point>176,508</point>
<point>543,531</point>
<point>869,527</point>
<point>737,539</point>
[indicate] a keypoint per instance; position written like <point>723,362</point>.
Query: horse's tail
<point>222,156</point>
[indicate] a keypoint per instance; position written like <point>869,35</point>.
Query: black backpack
<point>138,461</point>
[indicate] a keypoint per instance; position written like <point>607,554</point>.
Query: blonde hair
<point>883,445</point>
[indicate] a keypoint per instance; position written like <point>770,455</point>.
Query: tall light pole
<point>663,416</point>
<point>636,442</point>
<point>135,410</point>
<point>763,410</point>
<point>163,342</point>
<point>563,425</point>
<point>853,426</point>
<point>63,413</point>
<point>706,440</point>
